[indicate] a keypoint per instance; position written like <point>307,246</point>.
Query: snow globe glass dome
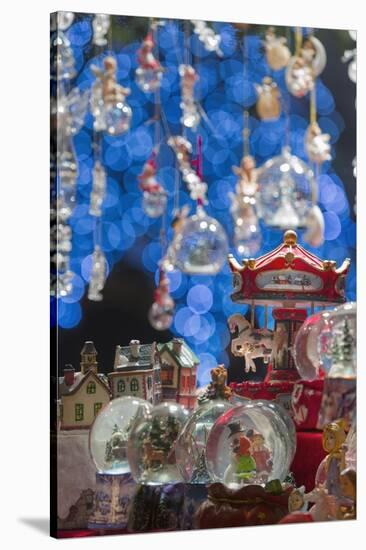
<point>191,444</point>
<point>326,344</point>
<point>287,191</point>
<point>109,433</point>
<point>201,246</point>
<point>151,445</point>
<point>249,445</point>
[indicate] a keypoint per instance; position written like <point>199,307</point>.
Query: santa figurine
<point>147,178</point>
<point>145,55</point>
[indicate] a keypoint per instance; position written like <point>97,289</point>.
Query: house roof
<point>129,362</point>
<point>186,358</point>
<point>89,348</point>
<point>79,381</point>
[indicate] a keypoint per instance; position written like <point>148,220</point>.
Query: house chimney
<point>69,375</point>
<point>135,348</point>
<point>117,357</point>
<point>177,345</point>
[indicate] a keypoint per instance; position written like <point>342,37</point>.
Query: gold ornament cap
<point>290,237</point>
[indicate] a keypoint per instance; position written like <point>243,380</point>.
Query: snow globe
<point>249,445</point>
<point>151,445</point>
<point>191,443</point>
<point>109,433</point>
<point>287,191</point>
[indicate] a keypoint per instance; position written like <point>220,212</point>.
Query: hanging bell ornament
<point>108,102</point>
<point>268,102</point>
<point>162,310</point>
<point>277,53</point>
<point>98,275</point>
<point>154,195</point>
<point>190,115</point>
<point>149,72</point>
<point>317,144</point>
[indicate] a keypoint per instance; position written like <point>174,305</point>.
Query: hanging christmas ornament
<point>317,144</point>
<point>191,116</point>
<point>61,20</point>
<point>101,24</point>
<point>98,275</point>
<point>287,191</point>
<point>268,102</point>
<point>162,310</point>
<point>179,219</point>
<point>314,54</point>
<point>62,61</point>
<point>108,102</point>
<point>154,195</point>
<point>277,53</point>
<point>207,36</point>
<point>98,190</point>
<point>299,77</point>
<point>149,72</point>
<point>61,246</point>
<point>308,62</point>
<point>351,56</point>
<point>183,149</point>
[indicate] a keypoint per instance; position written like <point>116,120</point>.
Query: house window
<point>183,382</point>
<point>91,387</point>
<point>79,412</point>
<point>134,385</point>
<point>121,386</point>
<point>149,383</point>
<point>167,374</point>
<point>193,381</point>
<point>97,407</point>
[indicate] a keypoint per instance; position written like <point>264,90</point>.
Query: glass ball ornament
<point>151,445</point>
<point>249,445</point>
<point>118,118</point>
<point>326,344</point>
<point>201,246</point>
<point>191,444</point>
<point>110,431</point>
<point>287,191</point>
<point>161,313</point>
<point>149,80</point>
<point>154,203</point>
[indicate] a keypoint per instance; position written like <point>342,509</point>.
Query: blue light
<point>78,287</point>
<point>332,226</point>
<point>69,315</point>
<point>199,299</point>
<point>86,267</point>
<point>80,33</point>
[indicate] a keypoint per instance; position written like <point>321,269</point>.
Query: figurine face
<point>295,501</point>
<point>330,441</point>
<point>235,444</point>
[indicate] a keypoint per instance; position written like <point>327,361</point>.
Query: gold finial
<point>290,237</point>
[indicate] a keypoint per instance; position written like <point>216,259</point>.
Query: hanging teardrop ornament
<point>162,310</point>
<point>268,102</point>
<point>277,53</point>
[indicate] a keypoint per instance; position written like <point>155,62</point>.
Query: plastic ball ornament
<point>249,445</point>
<point>191,444</point>
<point>148,80</point>
<point>118,118</point>
<point>201,246</point>
<point>110,431</point>
<point>287,191</point>
<point>154,203</point>
<point>151,445</point>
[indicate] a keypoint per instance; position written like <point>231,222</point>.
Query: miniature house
<point>178,372</point>
<point>136,372</point>
<point>82,394</point>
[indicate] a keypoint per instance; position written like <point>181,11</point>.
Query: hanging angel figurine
<point>277,53</point>
<point>190,117</point>
<point>268,102</point>
<point>154,195</point>
<point>162,310</point>
<point>98,190</point>
<point>183,150</point>
<point>149,72</point>
<point>179,219</point>
<point>108,102</point>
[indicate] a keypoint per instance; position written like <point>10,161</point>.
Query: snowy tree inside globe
<point>151,445</point>
<point>191,444</point>
<point>110,432</point>
<point>287,191</point>
<point>249,445</point>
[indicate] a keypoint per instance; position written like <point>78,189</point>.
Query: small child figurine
<point>334,436</point>
<point>296,501</point>
<point>261,454</point>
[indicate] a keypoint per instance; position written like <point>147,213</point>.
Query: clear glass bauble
<point>154,203</point>
<point>325,344</point>
<point>201,246</point>
<point>161,315</point>
<point>287,190</point>
<point>191,444</point>
<point>249,445</point>
<point>110,431</point>
<point>151,445</point>
<point>118,118</point>
<point>148,80</point>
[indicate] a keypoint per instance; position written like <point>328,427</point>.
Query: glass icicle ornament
<point>101,24</point>
<point>98,190</point>
<point>98,275</point>
<point>207,36</point>
<point>190,115</point>
<point>154,195</point>
<point>317,144</point>
<point>108,101</point>
<point>268,102</point>
<point>247,233</point>
<point>277,53</point>
<point>287,191</point>
<point>162,310</point>
<point>149,72</point>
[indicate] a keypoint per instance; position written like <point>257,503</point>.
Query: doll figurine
<point>261,454</point>
<point>334,436</point>
<point>268,102</point>
<point>296,501</point>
